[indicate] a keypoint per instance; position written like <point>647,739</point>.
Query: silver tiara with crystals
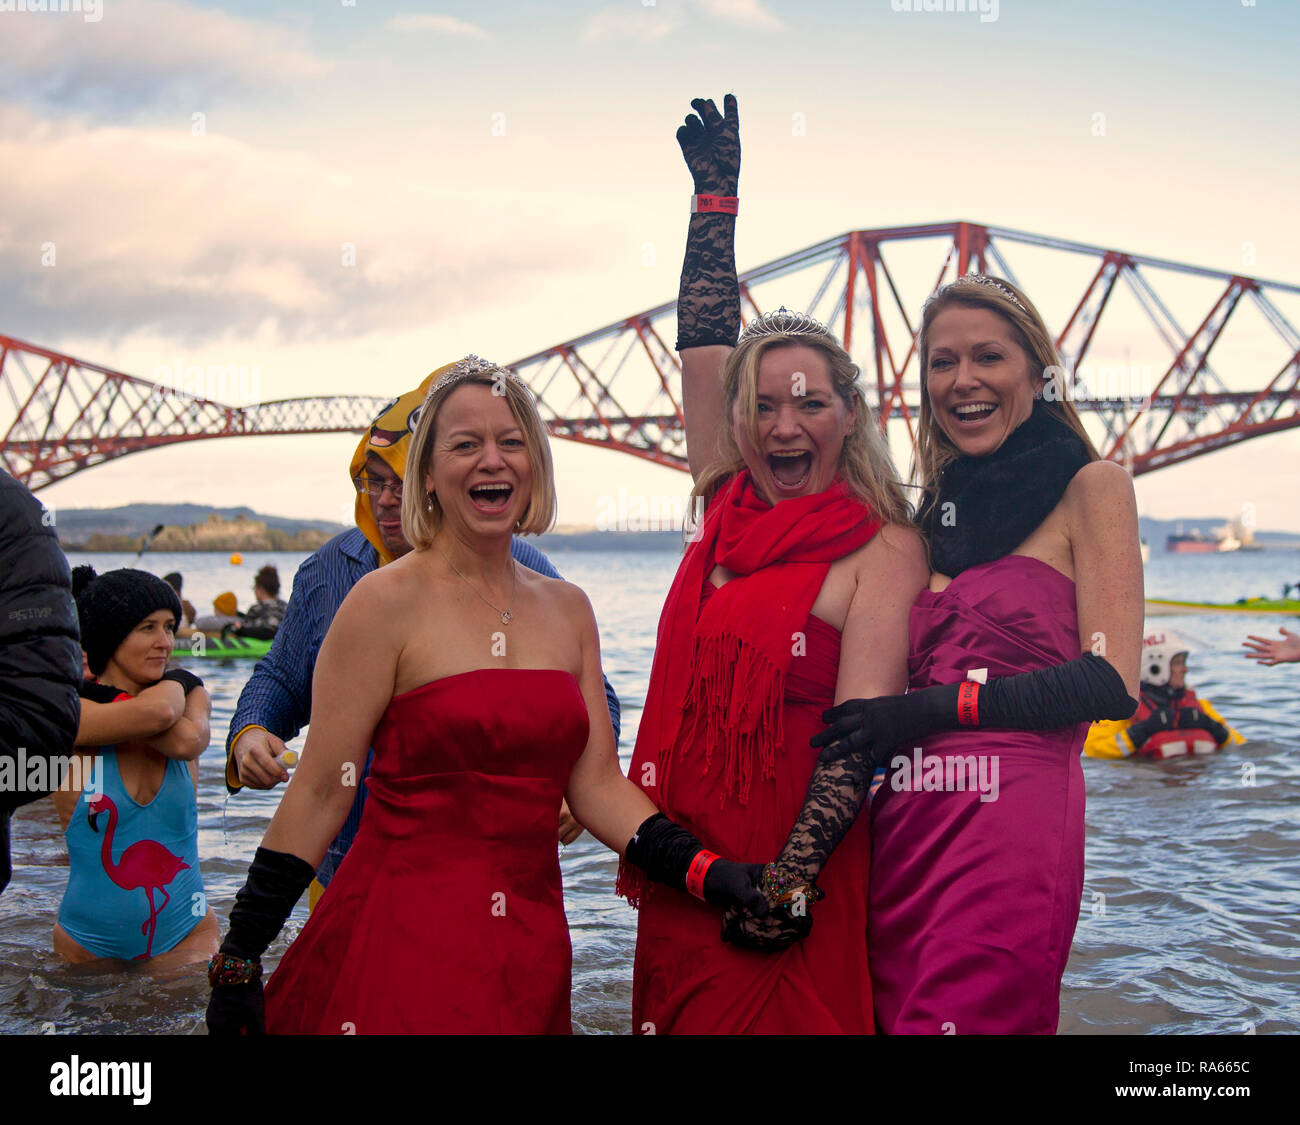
<point>992,283</point>
<point>473,365</point>
<point>783,322</point>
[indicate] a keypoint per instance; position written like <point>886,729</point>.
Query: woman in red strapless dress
<point>685,980</point>
<point>447,915</point>
<point>478,684</point>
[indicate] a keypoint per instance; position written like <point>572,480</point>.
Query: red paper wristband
<point>726,204</point>
<point>704,859</point>
<point>968,704</point>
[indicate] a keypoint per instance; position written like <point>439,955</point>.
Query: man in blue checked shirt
<point>276,702</point>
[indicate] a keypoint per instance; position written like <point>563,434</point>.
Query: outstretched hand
<point>711,145</point>
<point>1270,651</point>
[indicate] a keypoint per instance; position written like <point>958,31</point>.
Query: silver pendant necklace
<point>506,615</point>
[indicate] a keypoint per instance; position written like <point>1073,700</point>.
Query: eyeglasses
<point>373,486</point>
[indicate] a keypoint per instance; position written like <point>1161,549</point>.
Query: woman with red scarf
<point>803,547</point>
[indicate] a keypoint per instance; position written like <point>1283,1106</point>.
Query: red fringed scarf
<point>728,694</point>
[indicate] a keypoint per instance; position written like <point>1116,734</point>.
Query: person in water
<point>188,612</point>
<point>127,806</point>
<point>484,702</point>
<point>225,614</point>
<point>264,616</point>
<point>793,594</point>
<point>1170,721</point>
<point>275,703</point>
<point>1034,545</point>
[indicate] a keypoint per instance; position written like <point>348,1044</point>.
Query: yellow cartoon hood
<point>389,438</point>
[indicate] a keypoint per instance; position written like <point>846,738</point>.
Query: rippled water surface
<point>1191,899</point>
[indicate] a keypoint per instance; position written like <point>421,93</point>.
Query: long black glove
<point>865,732</point>
<point>708,302</point>
<point>665,851</point>
<point>275,883</point>
<point>1080,690</point>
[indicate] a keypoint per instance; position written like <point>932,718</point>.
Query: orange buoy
<point>236,559</point>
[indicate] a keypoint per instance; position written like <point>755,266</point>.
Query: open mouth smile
<point>973,413</point>
<point>491,498</point>
<point>790,468</point>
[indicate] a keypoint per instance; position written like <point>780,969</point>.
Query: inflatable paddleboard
<point>229,647</point>
<point>1160,607</point>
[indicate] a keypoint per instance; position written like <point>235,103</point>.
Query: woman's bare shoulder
<point>895,547</point>
<point>1100,495</point>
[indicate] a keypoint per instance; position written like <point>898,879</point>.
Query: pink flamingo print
<point>146,863</point>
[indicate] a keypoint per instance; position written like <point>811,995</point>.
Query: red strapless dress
<point>686,980</point>
<point>447,915</point>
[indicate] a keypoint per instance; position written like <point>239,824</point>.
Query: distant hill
<point>187,527</point>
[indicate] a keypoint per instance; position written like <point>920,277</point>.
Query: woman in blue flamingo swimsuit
<point>128,805</point>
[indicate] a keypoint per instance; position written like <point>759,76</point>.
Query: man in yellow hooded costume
<point>276,702</point>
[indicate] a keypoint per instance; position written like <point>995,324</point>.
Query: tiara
<point>473,365</point>
<point>993,283</point>
<point>783,322</point>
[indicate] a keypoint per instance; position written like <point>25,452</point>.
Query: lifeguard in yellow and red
<point>1171,721</point>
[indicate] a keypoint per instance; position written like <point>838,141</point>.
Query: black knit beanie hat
<point>110,605</point>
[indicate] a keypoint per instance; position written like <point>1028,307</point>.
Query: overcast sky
<point>508,177</point>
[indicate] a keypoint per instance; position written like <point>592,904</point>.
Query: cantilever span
<point>1168,361</point>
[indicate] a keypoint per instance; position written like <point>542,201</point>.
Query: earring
<point>428,501</point>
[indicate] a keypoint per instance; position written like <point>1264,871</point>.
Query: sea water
<point>1192,889</point>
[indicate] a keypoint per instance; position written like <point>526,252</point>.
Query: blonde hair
<point>421,513</point>
<point>934,448</point>
<point>865,464</point>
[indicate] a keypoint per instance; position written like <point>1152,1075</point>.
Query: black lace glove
<point>836,793</point>
<point>708,302</point>
<point>665,851</point>
<point>275,883</point>
<point>769,934</point>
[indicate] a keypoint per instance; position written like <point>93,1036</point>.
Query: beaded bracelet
<point>225,968</point>
<point>781,889</point>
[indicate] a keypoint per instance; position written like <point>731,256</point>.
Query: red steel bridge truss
<point>1166,361</point>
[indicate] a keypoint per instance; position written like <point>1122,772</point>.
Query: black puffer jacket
<point>40,649</point>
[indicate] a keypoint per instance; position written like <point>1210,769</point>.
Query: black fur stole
<point>987,506</point>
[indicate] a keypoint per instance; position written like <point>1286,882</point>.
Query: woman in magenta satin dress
<point>977,831</point>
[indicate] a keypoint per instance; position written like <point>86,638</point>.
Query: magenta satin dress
<point>975,893</point>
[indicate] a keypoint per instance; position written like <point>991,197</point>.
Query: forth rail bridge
<point>1166,361</point>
